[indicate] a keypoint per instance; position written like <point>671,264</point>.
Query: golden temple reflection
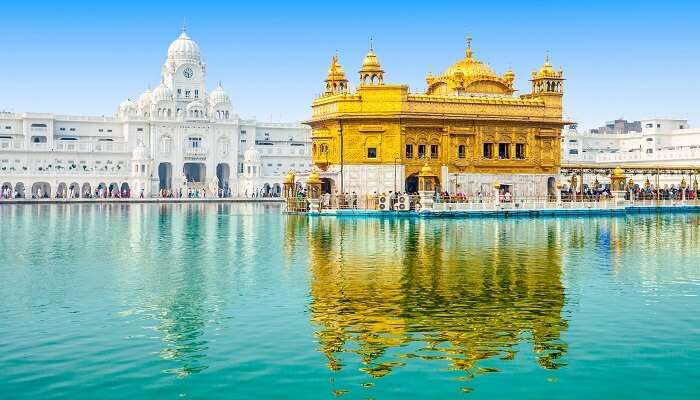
<point>421,290</point>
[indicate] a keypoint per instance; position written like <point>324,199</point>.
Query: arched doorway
<point>277,189</point>
<point>327,185</point>
<point>551,187</point>
<point>6,190</point>
<point>86,191</point>
<point>195,172</point>
<point>165,175</point>
<point>41,190</point>
<point>74,190</point>
<point>125,190</point>
<point>222,173</point>
<point>19,190</point>
<point>102,189</point>
<point>113,189</point>
<point>62,190</point>
<point>411,183</point>
<point>266,190</point>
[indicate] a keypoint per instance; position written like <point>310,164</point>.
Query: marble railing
<point>65,146</point>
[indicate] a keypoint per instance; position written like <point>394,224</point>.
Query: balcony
<point>39,146</point>
<point>9,144</point>
<point>197,153</point>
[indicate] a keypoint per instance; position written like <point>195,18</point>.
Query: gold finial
<point>469,47</point>
<point>371,44</point>
<point>546,57</point>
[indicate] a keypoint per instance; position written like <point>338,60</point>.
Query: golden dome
<point>289,179</point>
<point>371,63</point>
<point>469,68</point>
<point>314,179</point>
<point>618,172</point>
<point>470,75</point>
<point>509,76</point>
<point>547,71</point>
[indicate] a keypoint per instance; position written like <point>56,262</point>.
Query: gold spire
<point>469,47</point>
<point>546,69</point>
<point>289,179</point>
<point>314,178</point>
<point>371,72</point>
<point>509,76</point>
<point>335,81</point>
<point>335,72</point>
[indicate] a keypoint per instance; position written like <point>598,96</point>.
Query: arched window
<point>194,142</point>
<point>165,144</point>
<point>223,146</point>
<point>462,151</point>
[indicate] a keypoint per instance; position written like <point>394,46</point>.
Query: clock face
<point>188,73</point>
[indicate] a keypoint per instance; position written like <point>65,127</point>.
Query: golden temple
<point>468,127</point>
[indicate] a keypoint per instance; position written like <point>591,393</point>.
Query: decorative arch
<point>86,191</point>
<point>19,190</point>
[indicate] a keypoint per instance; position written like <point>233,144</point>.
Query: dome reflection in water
<point>425,290</point>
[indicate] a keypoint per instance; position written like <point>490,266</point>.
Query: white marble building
<point>659,143</point>
<point>178,137</point>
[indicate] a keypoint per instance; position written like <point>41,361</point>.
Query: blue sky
<point>621,59</point>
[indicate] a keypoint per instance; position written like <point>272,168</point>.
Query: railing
<point>38,146</point>
<point>8,144</point>
<point>67,146</point>
<point>441,203</point>
<point>124,171</point>
<point>194,152</point>
<point>297,205</point>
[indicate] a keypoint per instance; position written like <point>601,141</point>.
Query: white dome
<point>140,152</point>
<point>252,155</point>
<point>219,96</point>
<point>145,99</point>
<point>162,92</point>
<point>127,107</point>
<point>184,49</point>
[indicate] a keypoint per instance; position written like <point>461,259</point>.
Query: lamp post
<point>396,159</point>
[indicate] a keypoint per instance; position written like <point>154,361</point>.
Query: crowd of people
<point>260,193</point>
<point>637,192</point>
<point>195,193</point>
<point>100,192</point>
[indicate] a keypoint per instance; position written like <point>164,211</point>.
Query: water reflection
<point>187,280</point>
<point>390,291</point>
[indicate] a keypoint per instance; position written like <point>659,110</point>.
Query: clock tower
<point>184,72</point>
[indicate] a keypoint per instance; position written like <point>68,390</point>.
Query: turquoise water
<point>116,301</point>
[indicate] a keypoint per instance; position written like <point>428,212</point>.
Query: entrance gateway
<point>195,172</point>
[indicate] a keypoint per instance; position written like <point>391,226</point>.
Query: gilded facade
<point>468,126</point>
